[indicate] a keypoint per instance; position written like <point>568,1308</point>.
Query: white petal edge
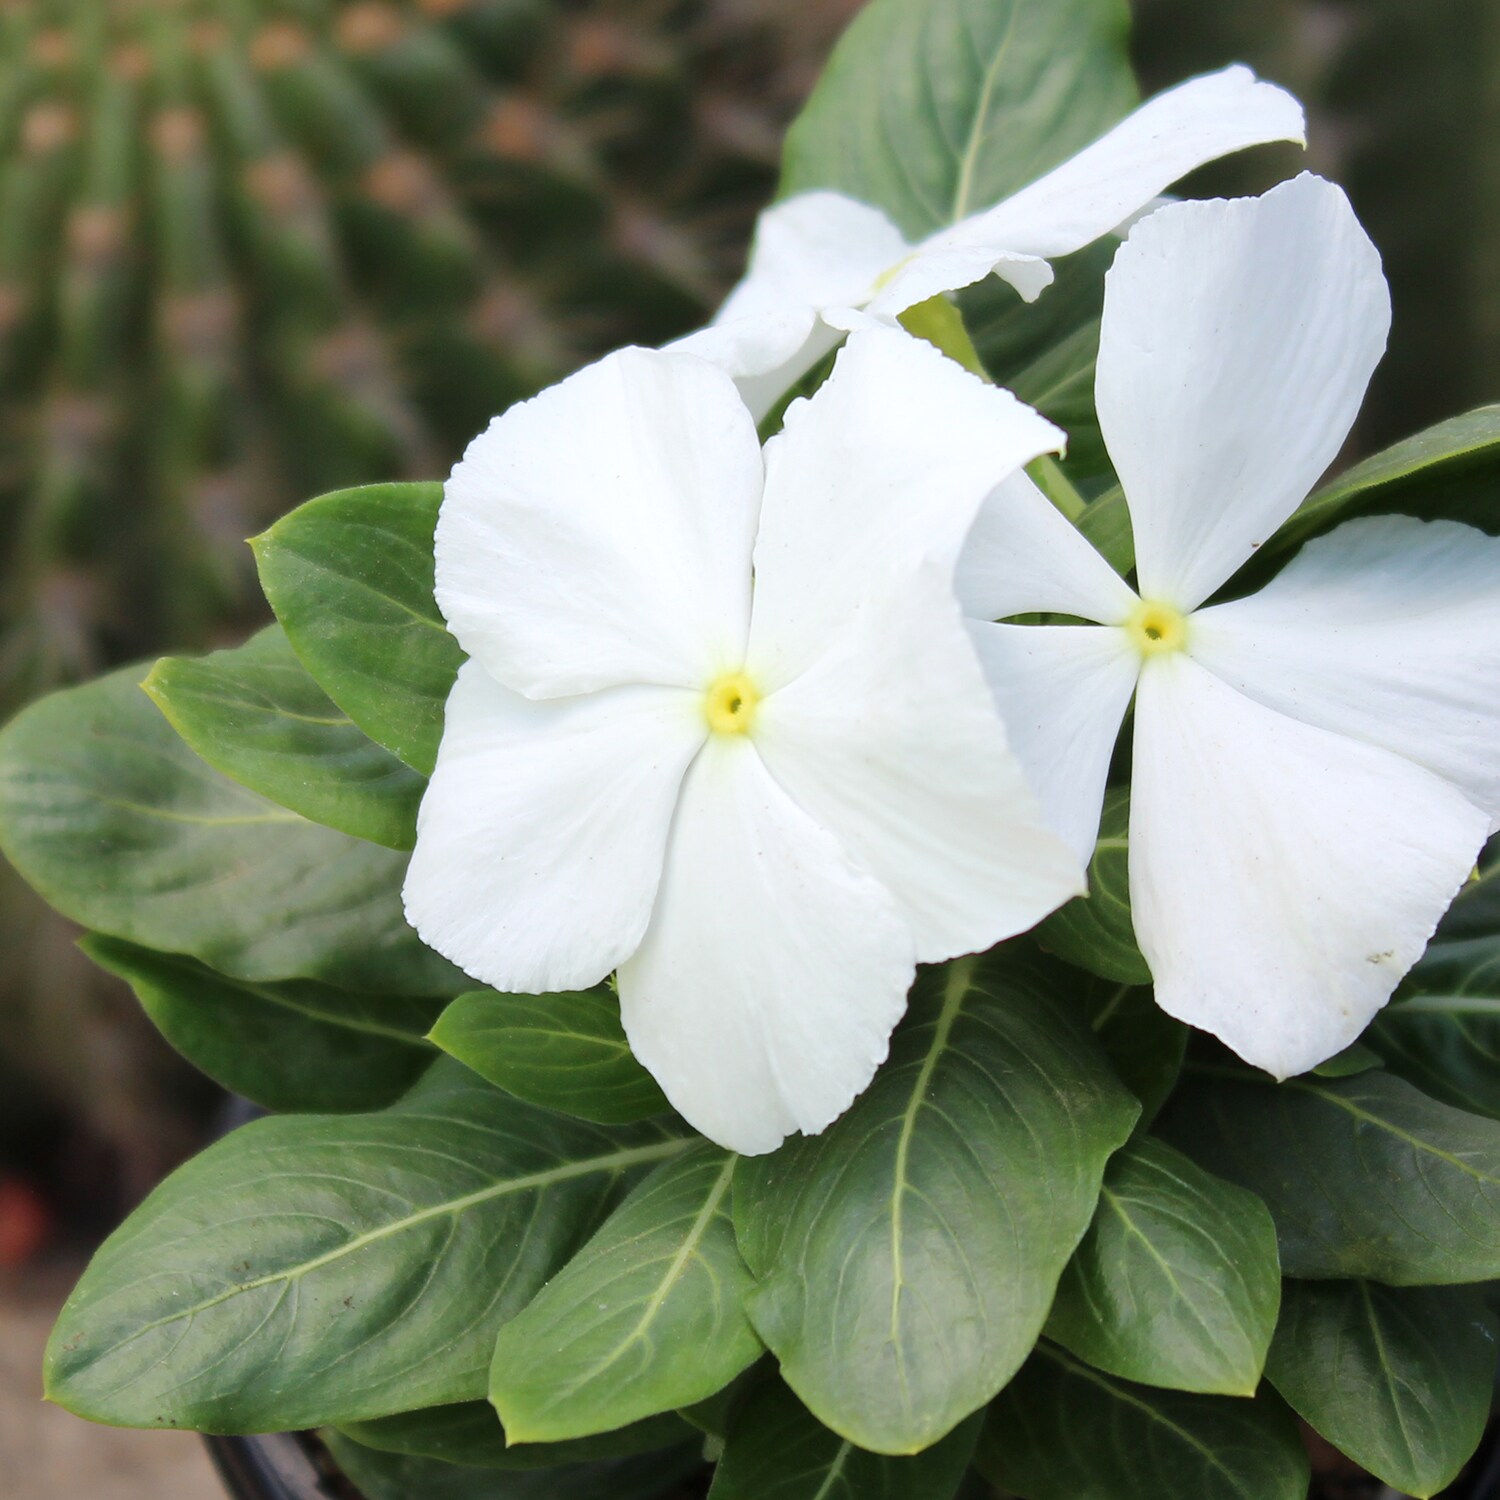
<point>541,835</point>
<point>948,268</point>
<point>1062,691</point>
<point>812,253</point>
<point>1282,878</point>
<point>765,355</point>
<point>818,249</point>
<point>1237,341</point>
<point>891,741</point>
<point>600,533</point>
<point>1022,556</point>
<point>881,471</point>
<point>1386,630</point>
<point>763,997</point>
<point>1110,181</point>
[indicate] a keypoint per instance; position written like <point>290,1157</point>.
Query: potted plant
<point>728,997</point>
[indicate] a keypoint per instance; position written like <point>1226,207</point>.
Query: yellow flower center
<point>1157,628</point>
<point>729,704</point>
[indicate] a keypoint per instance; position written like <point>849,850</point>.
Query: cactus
<point>255,249</point>
<point>251,249</point>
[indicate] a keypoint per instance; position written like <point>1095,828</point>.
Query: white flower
<point>1315,766</point>
<point>823,263</point>
<point>761,806</point>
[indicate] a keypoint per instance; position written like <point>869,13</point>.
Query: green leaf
<point>1398,1378</point>
<point>648,1316</point>
<point>350,578</point>
<point>255,714</point>
<point>714,1415</point>
<point>470,1433</point>
<point>1106,524</point>
<point>565,1051</point>
<point>396,1476</point>
<point>1449,471</point>
<point>1177,1281</point>
<point>935,109</point>
<point>1355,1058</point>
<point>1443,1032</point>
<point>1061,1431</point>
<point>1095,931</point>
<point>115,821</point>
<point>777,1450</point>
<point>1364,1176</point>
<point>1144,1044</point>
<point>905,1258</point>
<point>296,1045</point>
<point>321,1268</point>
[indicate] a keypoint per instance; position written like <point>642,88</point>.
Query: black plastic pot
<point>278,1466</point>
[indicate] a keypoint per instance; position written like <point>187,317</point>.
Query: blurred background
<point>251,250</point>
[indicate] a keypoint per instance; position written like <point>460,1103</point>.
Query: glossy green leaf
<point>1398,1378</point>
<point>936,109</point>
<point>1144,1044</point>
<point>1451,470</point>
<point>1095,931</point>
<point>1062,1431</point>
<point>350,578</point>
<point>255,714</point>
<point>296,1045</point>
<point>777,1450</point>
<point>399,1476</point>
<point>1364,1176</point>
<point>1177,1281</point>
<point>115,821</point>
<point>713,1416</point>
<point>905,1258</point>
<point>565,1051</point>
<point>1443,1032</point>
<point>647,1317</point>
<point>319,1268</point>
<point>470,1433</point>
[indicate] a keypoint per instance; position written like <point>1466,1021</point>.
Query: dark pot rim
<point>278,1466</point>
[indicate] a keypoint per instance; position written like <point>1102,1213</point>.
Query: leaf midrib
<point>617,1161</point>
<point>956,990</point>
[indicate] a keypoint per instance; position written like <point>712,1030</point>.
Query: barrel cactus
<point>255,249</point>
<point>251,249</point>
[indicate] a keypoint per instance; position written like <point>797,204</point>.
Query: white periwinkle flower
<point>1316,765</point>
<point>760,802</point>
<point>824,263</point>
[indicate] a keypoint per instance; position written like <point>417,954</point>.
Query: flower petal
<point>1282,878</point>
<point>1106,183</point>
<point>948,267</point>
<point>891,741</point>
<point>600,533</point>
<point>1022,556</point>
<point>1386,630</point>
<point>815,252</point>
<point>1237,342</point>
<point>765,354</point>
<point>541,835</point>
<point>763,997</point>
<point>1062,691</point>
<point>883,469</point>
